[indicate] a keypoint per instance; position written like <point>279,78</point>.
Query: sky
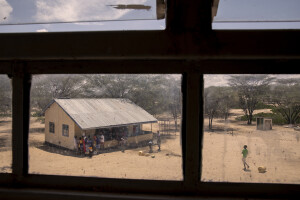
<point>91,15</point>
<point>222,79</point>
<point>97,15</point>
<point>258,14</point>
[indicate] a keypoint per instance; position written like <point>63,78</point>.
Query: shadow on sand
<point>67,152</point>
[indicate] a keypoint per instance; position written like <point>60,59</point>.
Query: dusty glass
<point>256,14</point>
<point>81,15</point>
<point>5,125</point>
<point>58,11</point>
<point>115,126</point>
<point>251,129</point>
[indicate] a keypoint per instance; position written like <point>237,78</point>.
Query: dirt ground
<point>166,165</point>
<point>5,145</point>
<point>277,149</point>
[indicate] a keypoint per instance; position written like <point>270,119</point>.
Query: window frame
<point>52,127</point>
<point>187,47</point>
<point>65,130</point>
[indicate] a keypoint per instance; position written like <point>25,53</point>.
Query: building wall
<point>78,131</point>
<point>57,115</point>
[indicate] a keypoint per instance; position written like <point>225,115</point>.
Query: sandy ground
<point>5,145</point>
<point>167,164</point>
<point>277,149</point>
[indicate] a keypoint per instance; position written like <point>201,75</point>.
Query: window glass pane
<point>65,130</point>
<point>256,14</point>
<point>5,125</point>
<point>81,15</point>
<point>116,126</point>
<point>251,129</point>
<point>51,127</point>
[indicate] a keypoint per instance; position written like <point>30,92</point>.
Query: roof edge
<point>118,125</point>
<point>48,106</point>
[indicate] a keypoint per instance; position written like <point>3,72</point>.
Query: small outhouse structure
<point>263,123</point>
<point>113,118</point>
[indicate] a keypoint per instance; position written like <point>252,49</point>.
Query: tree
<point>285,97</point>
<point>250,89</point>
<point>5,95</point>
<point>174,96</point>
<point>154,93</point>
<point>227,101</point>
<point>211,104</point>
<point>147,91</point>
<point>109,85</point>
<point>45,88</point>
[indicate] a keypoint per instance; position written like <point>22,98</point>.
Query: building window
<point>65,130</point>
<point>51,127</point>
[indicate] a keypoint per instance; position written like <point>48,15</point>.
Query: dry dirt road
<point>277,149</point>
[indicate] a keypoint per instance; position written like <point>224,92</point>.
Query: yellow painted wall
<point>81,133</point>
<point>78,131</point>
<point>57,115</point>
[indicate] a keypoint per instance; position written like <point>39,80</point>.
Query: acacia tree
<point>109,85</point>
<point>251,90</point>
<point>5,95</point>
<point>45,88</point>
<point>147,91</point>
<point>211,104</point>
<point>227,101</point>
<point>285,97</point>
<point>174,96</point>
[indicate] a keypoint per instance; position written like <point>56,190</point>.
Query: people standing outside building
<point>245,154</point>
<point>83,144</point>
<point>95,143</point>
<point>101,141</point>
<point>158,140</point>
<point>123,143</point>
<point>75,143</point>
<point>90,146</point>
<point>86,146</point>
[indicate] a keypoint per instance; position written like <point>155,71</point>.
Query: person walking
<point>158,140</point>
<point>245,154</point>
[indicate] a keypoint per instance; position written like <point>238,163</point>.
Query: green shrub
<point>41,119</point>
<point>276,118</point>
<point>5,115</point>
<point>261,105</point>
<point>35,114</point>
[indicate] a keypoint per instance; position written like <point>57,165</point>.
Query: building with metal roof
<point>67,118</point>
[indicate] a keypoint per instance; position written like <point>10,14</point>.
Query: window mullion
<point>21,97</point>
<point>191,138</point>
<point>188,16</point>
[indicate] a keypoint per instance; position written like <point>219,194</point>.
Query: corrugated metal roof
<point>96,113</point>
